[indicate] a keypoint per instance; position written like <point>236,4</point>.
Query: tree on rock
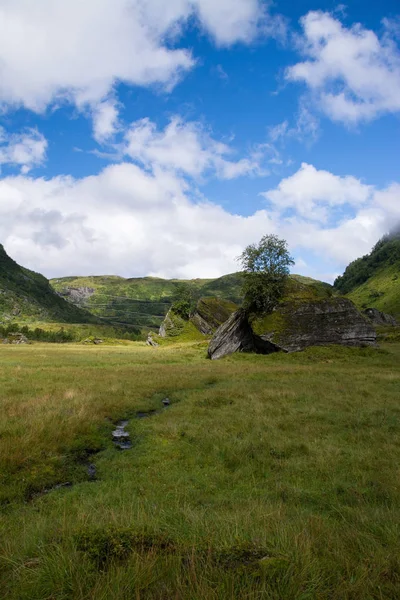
<point>265,271</point>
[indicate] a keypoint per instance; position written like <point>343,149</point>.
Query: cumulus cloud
<point>133,222</point>
<point>186,147</point>
<point>25,150</point>
<point>53,51</point>
<point>105,120</point>
<point>313,193</point>
<point>125,221</point>
<point>352,74</point>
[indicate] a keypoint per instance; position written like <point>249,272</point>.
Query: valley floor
<point>273,477</point>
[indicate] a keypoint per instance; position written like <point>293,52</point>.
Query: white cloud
<point>131,222</point>
<point>187,148</point>
<point>25,150</point>
<point>124,221</point>
<point>230,21</point>
<point>313,193</point>
<point>105,120</point>
<point>305,128</point>
<point>57,50</point>
<point>351,73</point>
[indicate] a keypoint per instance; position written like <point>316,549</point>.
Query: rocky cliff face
<point>210,313</point>
<point>293,326</point>
<point>379,318</point>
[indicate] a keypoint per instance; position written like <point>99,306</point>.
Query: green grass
<point>381,291</point>
<point>26,295</point>
<point>269,477</point>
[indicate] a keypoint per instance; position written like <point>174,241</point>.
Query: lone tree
<point>266,269</point>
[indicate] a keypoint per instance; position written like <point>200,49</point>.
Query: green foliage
<point>28,295</point>
<point>374,279</point>
<point>266,269</point>
<point>185,300</point>
<point>60,334</point>
<point>384,254</point>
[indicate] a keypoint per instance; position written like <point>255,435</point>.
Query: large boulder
<point>379,318</point>
<point>209,314</point>
<point>233,335</point>
<point>293,326</point>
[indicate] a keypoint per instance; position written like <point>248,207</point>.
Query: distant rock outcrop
<point>293,326</point>
<point>151,342</point>
<point>172,325</point>
<point>77,295</point>
<point>16,338</point>
<point>379,318</point>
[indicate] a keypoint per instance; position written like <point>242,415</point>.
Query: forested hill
<point>28,295</point>
<point>142,301</point>
<point>374,279</point>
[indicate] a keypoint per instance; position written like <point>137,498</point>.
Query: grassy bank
<point>268,477</point>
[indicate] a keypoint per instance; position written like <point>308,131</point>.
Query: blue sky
<point>151,138</point>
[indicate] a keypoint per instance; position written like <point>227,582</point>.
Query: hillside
<point>374,279</point>
<point>27,296</point>
<point>142,301</point>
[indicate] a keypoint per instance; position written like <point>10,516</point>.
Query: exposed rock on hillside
<point>16,338</point>
<point>78,295</point>
<point>379,318</point>
<point>293,326</point>
<point>172,325</point>
<point>210,313</point>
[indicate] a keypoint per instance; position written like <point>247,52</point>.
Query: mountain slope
<point>25,295</point>
<point>145,301</point>
<point>142,301</point>
<point>374,280</point>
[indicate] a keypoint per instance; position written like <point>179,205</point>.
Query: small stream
<point>120,436</point>
<point>121,440</point>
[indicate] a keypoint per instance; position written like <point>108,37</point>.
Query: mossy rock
<point>211,313</point>
<point>297,324</point>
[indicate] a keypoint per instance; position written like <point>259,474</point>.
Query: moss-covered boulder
<point>309,314</point>
<point>210,313</point>
<point>295,325</point>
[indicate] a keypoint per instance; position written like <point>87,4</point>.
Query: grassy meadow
<point>268,477</point>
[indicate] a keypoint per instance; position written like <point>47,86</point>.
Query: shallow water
<point>121,436</point>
